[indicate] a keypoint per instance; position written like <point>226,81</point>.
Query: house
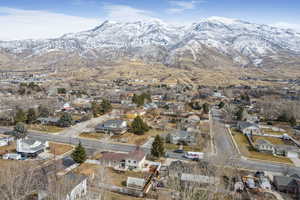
<point>265,146</point>
<point>115,127</point>
<point>288,184</point>
<point>132,160</point>
<point>181,136</point>
<point>289,151</point>
<point>135,159</point>
<point>248,127</point>
<point>48,120</point>
<point>30,147</point>
<point>5,140</point>
<point>297,130</point>
<point>135,183</point>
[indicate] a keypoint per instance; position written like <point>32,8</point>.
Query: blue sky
<point>52,18</point>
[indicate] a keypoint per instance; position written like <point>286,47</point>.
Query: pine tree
<point>105,106</point>
<point>20,130</point>
<point>31,116</point>
<point>65,120</point>
<point>158,148</point>
<point>20,116</point>
<point>79,154</point>
<point>138,126</point>
<point>205,107</point>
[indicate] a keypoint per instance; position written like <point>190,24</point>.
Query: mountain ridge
<point>210,42</point>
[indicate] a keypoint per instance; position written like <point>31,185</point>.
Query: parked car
<point>178,151</point>
<point>12,156</point>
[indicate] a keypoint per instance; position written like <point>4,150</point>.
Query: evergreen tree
<point>138,126</point>
<point>221,105</point>
<point>240,114</point>
<point>20,130</point>
<point>79,154</point>
<point>43,111</point>
<point>65,120</point>
<point>293,121</point>
<point>95,108</point>
<point>158,148</point>
<point>105,106</point>
<point>20,116</point>
<point>31,116</point>
<point>205,107</point>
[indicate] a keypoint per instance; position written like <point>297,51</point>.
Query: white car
<point>12,156</point>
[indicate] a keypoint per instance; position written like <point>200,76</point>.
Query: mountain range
<point>211,42</point>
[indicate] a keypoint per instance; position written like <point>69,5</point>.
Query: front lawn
<point>59,149</point>
<point>45,128</point>
<point>246,150</point>
<point>97,136</point>
<point>172,147</point>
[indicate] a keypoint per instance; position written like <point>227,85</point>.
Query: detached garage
<point>292,154</point>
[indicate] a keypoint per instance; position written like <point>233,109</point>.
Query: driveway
<point>296,161</point>
<point>75,130</point>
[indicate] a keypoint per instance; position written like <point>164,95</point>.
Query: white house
<point>30,147</point>
<point>248,128</point>
<point>132,160</point>
<point>135,159</point>
<point>135,183</point>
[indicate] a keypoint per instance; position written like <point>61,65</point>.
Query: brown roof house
<point>123,161</point>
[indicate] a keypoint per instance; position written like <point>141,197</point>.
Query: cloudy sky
<point>23,19</point>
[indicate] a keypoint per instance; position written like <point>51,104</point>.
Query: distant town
<point>141,139</point>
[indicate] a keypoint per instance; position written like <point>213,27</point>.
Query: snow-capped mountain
<point>213,41</point>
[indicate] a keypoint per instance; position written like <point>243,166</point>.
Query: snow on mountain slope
<point>210,40</point>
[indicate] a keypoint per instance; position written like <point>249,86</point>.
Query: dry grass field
<point>59,149</point>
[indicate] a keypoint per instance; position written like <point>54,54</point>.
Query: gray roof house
<point>30,147</point>
<point>181,136</point>
<point>248,127</point>
<point>265,146</point>
<point>48,120</point>
<point>288,184</point>
<point>112,126</point>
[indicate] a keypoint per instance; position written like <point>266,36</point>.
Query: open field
<point>245,150</point>
<point>59,149</point>
<point>45,128</point>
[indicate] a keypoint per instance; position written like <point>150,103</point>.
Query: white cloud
<point>23,24</point>
<point>287,25</point>
<point>127,13</point>
<point>178,6</point>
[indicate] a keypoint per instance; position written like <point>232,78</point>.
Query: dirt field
<point>59,149</point>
